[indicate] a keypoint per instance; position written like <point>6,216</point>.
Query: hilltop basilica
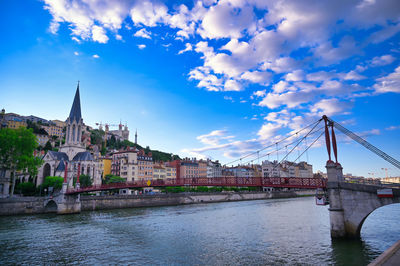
<point>73,153</point>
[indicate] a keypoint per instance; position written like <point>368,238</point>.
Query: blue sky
<point>211,79</point>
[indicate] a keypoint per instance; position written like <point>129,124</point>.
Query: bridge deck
<point>278,182</point>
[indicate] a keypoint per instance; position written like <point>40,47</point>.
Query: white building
<point>286,169</point>
<point>214,169</point>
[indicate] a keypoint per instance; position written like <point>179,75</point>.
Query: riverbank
<point>390,257</point>
<point>37,205</point>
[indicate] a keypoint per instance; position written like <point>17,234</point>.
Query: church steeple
<point>75,114</point>
<point>73,134</point>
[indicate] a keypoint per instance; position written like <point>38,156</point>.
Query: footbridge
<point>352,202</point>
<point>349,203</point>
<point>275,182</point>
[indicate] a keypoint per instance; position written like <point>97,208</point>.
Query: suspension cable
<point>310,145</point>
<point>269,146</point>
<point>297,140</point>
<point>303,138</point>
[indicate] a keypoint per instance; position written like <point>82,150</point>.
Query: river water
<point>264,232</point>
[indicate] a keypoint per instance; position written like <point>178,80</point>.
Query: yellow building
<point>170,172</point>
<point>59,123</point>
<point>54,130</point>
<point>106,163</point>
<point>15,123</point>
<point>159,172</point>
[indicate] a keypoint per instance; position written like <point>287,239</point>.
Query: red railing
<point>279,182</point>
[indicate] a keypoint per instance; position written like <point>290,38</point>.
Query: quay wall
<point>23,205</point>
<point>36,205</point>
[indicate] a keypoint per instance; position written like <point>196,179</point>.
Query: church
<point>72,154</point>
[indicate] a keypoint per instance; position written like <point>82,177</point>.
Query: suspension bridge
<point>349,203</point>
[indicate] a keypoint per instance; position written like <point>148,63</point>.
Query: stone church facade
<point>73,153</point>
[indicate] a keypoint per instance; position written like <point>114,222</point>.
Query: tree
<point>53,181</point>
<point>85,181</point>
<point>48,146</point>
<point>114,179</point>
<point>96,136</point>
<point>16,152</point>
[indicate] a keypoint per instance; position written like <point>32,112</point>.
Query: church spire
<point>75,113</point>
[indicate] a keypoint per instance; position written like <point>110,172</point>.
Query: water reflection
<point>273,232</point>
<point>352,252</point>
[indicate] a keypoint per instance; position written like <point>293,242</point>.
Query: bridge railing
<point>373,182</point>
<point>278,182</point>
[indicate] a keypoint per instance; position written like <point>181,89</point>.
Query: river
<point>263,232</point>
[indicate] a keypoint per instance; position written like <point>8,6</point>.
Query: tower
<point>73,134</point>
<point>136,137</point>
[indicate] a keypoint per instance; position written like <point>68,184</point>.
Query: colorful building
<point>53,130</point>
<point>125,164</point>
<point>106,165</point>
<point>145,165</point>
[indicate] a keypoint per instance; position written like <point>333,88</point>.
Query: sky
<point>212,79</point>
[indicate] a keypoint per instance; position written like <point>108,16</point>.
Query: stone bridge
<point>63,203</point>
<point>350,204</point>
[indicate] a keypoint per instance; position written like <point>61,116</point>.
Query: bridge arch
<point>369,214</point>
<point>51,206</point>
<point>351,204</point>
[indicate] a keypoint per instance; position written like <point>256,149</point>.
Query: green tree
<point>26,188</point>
<point>16,152</point>
<point>53,181</point>
<point>113,179</point>
<point>85,181</point>
<point>96,136</point>
<point>48,146</point>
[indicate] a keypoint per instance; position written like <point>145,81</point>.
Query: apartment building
<point>125,164</point>
<point>145,165</point>
<point>286,169</point>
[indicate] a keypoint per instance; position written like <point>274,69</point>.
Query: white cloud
<point>259,93</point>
<point>268,130</point>
<point>232,85</point>
<point>320,76</point>
<point>99,34</point>
<point>282,64</point>
<point>280,87</point>
<point>330,107</point>
<point>228,98</point>
<point>290,99</point>
<point>382,60</point>
<point>143,33</point>
<point>141,46</point>
<point>212,138</point>
<point>76,53</point>
<point>76,39</point>
<point>87,19</point>
<point>389,83</point>
<point>226,20</point>
<point>385,33</point>
<point>393,128</point>
<point>353,75</point>
<point>257,77</point>
<point>148,14</point>
<point>96,56</point>
<point>331,55</point>
<point>297,75</point>
<point>188,47</point>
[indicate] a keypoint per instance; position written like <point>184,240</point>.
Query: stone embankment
<point>35,205</point>
<point>390,257</point>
